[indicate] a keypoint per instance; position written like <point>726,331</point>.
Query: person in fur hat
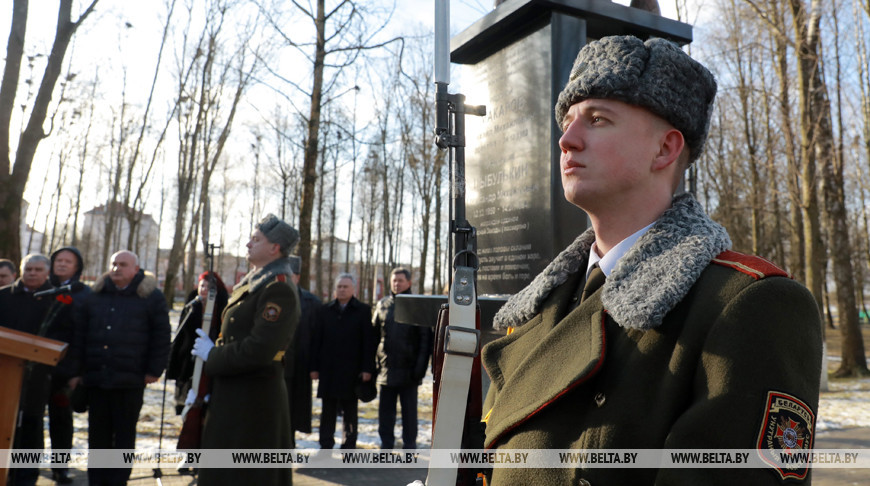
<point>248,406</point>
<point>120,344</point>
<point>648,331</point>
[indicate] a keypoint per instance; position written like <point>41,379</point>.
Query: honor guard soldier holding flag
<point>648,332</point>
<point>248,406</point>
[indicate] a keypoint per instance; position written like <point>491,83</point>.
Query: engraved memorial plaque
<point>508,163</point>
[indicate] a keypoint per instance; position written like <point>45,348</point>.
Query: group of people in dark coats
<point>23,308</point>
<point>118,336</point>
<point>267,342</point>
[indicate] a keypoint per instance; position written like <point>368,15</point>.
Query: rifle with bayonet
<point>457,398</point>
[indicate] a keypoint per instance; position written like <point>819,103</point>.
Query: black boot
<point>61,476</point>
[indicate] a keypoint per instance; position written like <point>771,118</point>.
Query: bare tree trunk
<point>352,181</point>
<point>331,262</point>
<point>191,270</point>
<point>809,80</point>
<point>203,131</point>
<point>771,175</point>
<point>134,208</point>
<point>387,230</point>
<point>29,248</point>
<point>112,215</point>
<point>55,206</point>
<point>853,362</point>
<point>83,156</point>
<point>796,256</point>
<point>746,75</point>
<point>13,182</point>
<point>309,168</point>
<point>318,255</point>
<point>255,209</point>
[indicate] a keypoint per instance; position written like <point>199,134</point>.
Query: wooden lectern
<point>16,348</point>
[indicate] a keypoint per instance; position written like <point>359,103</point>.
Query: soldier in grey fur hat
<point>249,406</point>
<point>647,331</point>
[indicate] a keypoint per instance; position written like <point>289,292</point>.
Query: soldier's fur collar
<point>258,278</point>
<point>647,282</point>
<point>144,283</point>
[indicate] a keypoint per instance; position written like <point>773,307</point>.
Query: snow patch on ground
<point>846,404</point>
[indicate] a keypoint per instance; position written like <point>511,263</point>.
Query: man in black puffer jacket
<point>120,345</point>
<point>403,355</point>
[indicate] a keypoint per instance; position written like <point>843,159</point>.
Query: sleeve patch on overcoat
<point>272,312</point>
<point>787,429</point>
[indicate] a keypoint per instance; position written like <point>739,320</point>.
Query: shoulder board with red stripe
<point>754,266</point>
<point>280,277</point>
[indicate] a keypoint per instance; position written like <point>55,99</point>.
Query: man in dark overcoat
<point>248,406</point>
<point>648,332</point>
<point>21,311</point>
<point>297,375</point>
<point>342,353</point>
<point>120,345</point>
<point>402,358</point>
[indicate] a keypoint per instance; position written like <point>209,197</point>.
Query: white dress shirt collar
<point>611,258</point>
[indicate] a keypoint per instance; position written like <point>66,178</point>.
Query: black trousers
<point>60,418</point>
<point>407,395</point>
<point>328,414</point>
<point>112,417</point>
<point>27,436</point>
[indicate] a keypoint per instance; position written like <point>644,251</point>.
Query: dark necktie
<point>593,282</point>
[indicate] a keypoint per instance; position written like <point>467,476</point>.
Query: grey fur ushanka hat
<point>655,74</point>
<point>279,232</point>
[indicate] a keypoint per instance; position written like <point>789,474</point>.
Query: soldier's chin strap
<point>461,346</point>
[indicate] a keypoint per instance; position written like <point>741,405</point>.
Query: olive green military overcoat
<point>713,374</point>
<point>248,408</point>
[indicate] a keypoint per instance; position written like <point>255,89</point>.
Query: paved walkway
<point>854,438</point>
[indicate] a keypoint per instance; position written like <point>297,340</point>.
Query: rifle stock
<point>193,414</point>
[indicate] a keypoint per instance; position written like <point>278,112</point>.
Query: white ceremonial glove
<point>416,483</point>
<point>191,397</point>
<point>202,346</point>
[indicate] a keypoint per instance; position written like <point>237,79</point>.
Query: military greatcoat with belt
<point>687,345</point>
<point>248,407</point>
